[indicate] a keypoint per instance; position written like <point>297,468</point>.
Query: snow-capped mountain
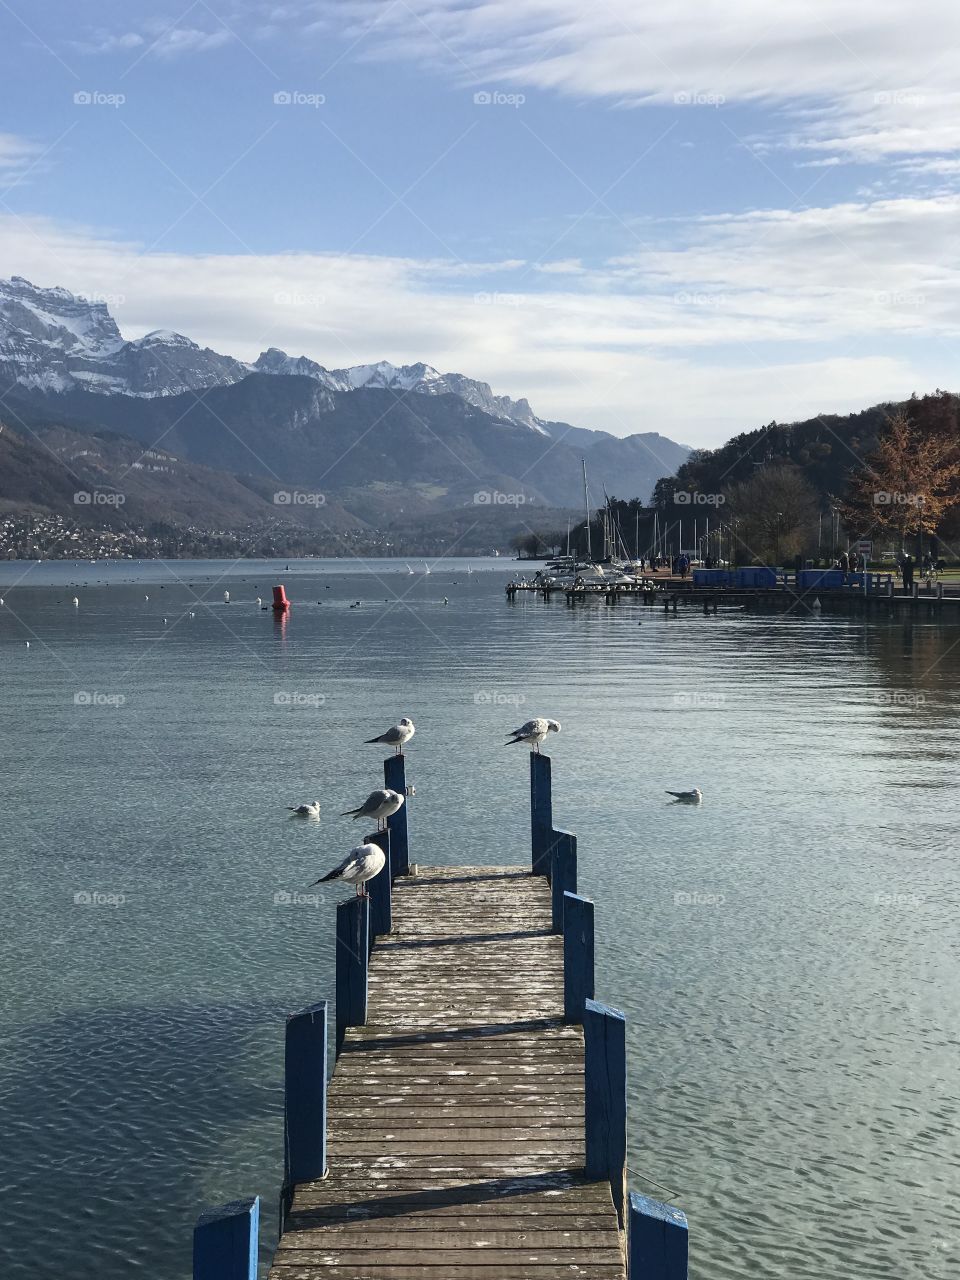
<point>420,378</point>
<point>54,341</point>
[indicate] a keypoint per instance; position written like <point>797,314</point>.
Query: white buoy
<point>193,615</point>
<point>226,597</point>
<point>164,622</point>
<point>76,602</point>
<point>28,644</point>
<point>259,602</point>
<point>146,597</point>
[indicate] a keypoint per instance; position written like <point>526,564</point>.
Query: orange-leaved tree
<point>909,482</point>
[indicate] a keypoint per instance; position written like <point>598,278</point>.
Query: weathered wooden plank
<point>364,1132</point>
<point>488,1234</point>
<point>419,1254</point>
<point>555,1192</point>
<point>452,1218</point>
<point>473,1270</point>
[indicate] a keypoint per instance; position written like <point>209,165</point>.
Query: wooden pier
<point>474,1127</point>
<point>882,594</point>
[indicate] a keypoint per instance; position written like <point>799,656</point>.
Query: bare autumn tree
<point>772,513</point>
<point>908,483</point>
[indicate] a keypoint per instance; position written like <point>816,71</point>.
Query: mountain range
<point>377,441</point>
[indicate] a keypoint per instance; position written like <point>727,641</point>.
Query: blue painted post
<point>563,873</point>
<point>353,957</point>
<point>395,777</point>
<point>305,1096</point>
<point>226,1242</point>
<point>657,1240</point>
<point>577,955</point>
<point>381,898</point>
<point>541,813</point>
<point>605,1094</point>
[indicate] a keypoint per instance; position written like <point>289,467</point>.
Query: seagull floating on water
<point>311,810</point>
<point>398,736</point>
<point>533,732</point>
<point>687,797</point>
<point>359,866</point>
<point>379,805</point>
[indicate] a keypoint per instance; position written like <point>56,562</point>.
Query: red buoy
<point>280,602</point>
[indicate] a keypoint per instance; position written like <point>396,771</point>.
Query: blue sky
<point>690,219</point>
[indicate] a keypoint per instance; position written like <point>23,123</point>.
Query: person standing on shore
<point>906,569</point>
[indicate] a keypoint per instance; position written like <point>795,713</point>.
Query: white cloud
<point>865,80</point>
<point>769,315</point>
<point>110,42</point>
<point>179,40</point>
<point>18,156</point>
<point>156,40</point>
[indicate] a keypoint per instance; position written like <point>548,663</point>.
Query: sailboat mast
<point>586,508</point>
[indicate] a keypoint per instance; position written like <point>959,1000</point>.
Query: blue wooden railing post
<point>657,1241</point>
<point>541,813</point>
<point>305,1096</point>
<point>353,958</point>
<point>226,1242</point>
<point>605,1098</point>
<point>379,888</point>
<point>577,955</point>
<point>563,873</point>
<point>395,777</point>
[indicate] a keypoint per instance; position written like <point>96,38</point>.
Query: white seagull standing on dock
<point>311,810</point>
<point>533,732</point>
<point>398,736</point>
<point>687,797</point>
<point>379,805</point>
<point>359,866</point>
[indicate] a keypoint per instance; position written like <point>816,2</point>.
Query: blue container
<point>820,579</point>
<point>757,576</point>
<point>711,578</point>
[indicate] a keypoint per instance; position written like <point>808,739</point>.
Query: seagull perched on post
<point>398,736</point>
<point>311,810</point>
<point>533,732</point>
<point>687,797</point>
<point>379,804</point>
<point>359,866</point>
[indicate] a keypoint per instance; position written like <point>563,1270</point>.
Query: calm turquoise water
<point>786,954</point>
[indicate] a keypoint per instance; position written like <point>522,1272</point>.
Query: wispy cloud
<point>18,156</point>
<point>860,81</point>
<point>155,40</point>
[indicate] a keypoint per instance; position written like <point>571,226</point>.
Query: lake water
<point>786,954</point>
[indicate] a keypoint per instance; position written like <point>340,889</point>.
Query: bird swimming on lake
<point>398,736</point>
<point>359,866</point>
<point>311,810</point>
<point>533,732</point>
<point>687,797</point>
<point>379,805</point>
